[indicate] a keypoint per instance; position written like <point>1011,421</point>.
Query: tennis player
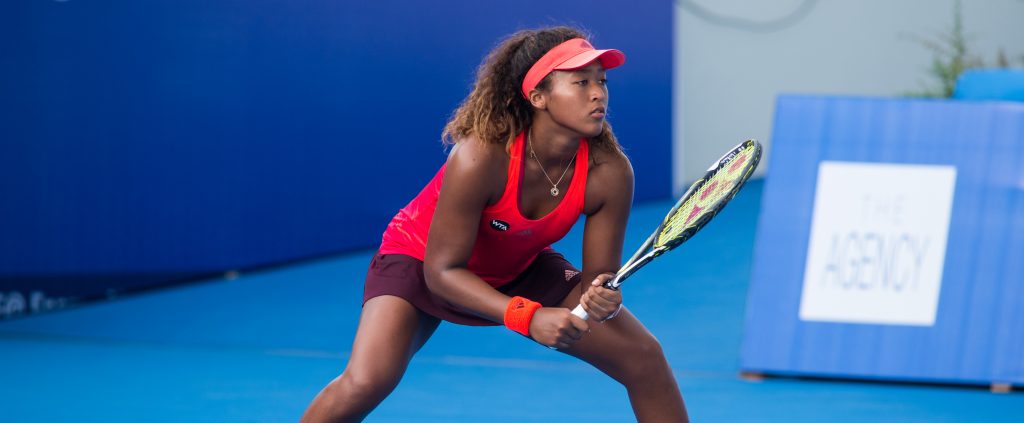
<point>532,152</point>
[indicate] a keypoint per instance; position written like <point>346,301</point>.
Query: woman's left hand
<point>599,302</point>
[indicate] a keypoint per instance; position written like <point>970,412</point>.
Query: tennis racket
<point>698,205</point>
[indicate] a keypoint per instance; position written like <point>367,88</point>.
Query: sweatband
<point>519,313</point>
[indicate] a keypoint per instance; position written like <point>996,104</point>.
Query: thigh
<point>390,331</point>
<point>616,345</point>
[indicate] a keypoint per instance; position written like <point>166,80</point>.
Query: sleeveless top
<point>507,242</point>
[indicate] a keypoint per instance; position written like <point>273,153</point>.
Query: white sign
<point>878,242</point>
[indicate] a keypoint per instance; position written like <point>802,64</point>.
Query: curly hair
<point>495,110</point>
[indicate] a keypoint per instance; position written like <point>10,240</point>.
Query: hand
<point>599,302</point>
<point>557,327</point>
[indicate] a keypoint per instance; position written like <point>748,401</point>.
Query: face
<point>578,99</point>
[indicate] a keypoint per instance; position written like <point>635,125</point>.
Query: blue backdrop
<point>978,330</point>
<point>990,84</point>
<point>148,142</point>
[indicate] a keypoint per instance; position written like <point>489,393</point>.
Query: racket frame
<point>645,254</point>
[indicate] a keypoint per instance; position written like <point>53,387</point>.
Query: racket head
<point>707,196</point>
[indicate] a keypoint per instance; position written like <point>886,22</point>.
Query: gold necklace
<point>554,185</point>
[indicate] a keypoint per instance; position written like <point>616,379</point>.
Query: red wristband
<point>519,313</point>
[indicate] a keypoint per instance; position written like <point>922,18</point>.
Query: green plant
<point>952,56</point>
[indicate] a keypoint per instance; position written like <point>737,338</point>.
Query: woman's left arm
<point>609,197</point>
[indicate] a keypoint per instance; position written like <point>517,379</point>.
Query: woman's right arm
<point>473,178</point>
<point>471,182</point>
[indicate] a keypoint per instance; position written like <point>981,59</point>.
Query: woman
<point>532,152</point>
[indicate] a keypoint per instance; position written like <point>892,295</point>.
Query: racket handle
<point>579,312</point>
<point>611,284</point>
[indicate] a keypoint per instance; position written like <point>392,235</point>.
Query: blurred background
<point>191,191</point>
<point>733,58</point>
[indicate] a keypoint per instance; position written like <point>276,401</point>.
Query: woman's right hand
<point>557,327</point>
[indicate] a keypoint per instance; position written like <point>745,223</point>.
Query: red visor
<point>573,54</point>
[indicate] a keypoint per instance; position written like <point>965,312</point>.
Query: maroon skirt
<point>547,280</point>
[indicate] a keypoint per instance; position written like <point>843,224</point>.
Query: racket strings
<point>707,197</point>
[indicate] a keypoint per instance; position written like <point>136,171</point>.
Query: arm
<point>474,177</point>
<point>607,211</point>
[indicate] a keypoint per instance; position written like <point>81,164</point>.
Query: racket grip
<point>580,312</point>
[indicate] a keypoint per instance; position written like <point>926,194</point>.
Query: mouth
<point>598,113</point>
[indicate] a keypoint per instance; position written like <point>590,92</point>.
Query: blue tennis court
<point>259,347</point>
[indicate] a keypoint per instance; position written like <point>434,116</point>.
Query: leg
<point>625,350</point>
<point>390,331</point>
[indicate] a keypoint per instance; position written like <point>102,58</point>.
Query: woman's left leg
<point>625,350</point>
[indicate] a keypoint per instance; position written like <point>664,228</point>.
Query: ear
<point>538,99</point>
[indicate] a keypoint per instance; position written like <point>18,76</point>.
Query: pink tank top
<point>506,241</point>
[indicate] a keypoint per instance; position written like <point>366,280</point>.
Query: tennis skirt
<point>547,280</point>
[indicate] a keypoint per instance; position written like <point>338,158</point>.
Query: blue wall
<point>157,141</point>
<point>990,84</point>
<point>978,331</point>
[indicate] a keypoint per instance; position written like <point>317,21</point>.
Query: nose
<point>598,93</point>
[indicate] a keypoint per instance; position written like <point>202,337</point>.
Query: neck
<point>553,144</point>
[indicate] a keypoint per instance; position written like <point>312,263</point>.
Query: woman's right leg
<point>390,331</point>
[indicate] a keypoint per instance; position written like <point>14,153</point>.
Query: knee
<point>350,397</point>
<point>649,347</point>
<point>645,361</point>
<point>362,386</point>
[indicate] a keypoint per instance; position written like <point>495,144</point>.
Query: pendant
<point>554,191</point>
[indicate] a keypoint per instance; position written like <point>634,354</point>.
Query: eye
<point>603,81</point>
<point>582,82</point>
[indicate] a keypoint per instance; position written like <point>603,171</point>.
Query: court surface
<point>259,347</point>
